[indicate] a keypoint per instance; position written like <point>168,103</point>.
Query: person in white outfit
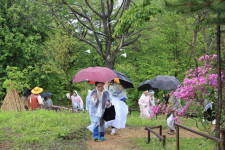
<point>118,96</point>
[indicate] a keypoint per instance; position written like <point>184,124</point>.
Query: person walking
<point>174,107</point>
<point>100,99</point>
<point>118,95</point>
<point>144,104</point>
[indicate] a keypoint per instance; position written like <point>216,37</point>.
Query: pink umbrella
<point>97,74</point>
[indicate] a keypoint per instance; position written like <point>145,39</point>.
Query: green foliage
<point>16,79</point>
<point>44,129</point>
<point>136,16</point>
<point>22,32</point>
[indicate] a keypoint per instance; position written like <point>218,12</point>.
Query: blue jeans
<point>96,133</point>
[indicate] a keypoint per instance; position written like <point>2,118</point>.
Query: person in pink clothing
<point>144,103</point>
<point>77,102</point>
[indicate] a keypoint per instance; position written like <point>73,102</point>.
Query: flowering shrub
<point>199,85</point>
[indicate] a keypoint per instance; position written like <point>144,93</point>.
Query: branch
<point>119,46</point>
<point>109,8</point>
<point>89,28</point>
<point>113,18</point>
<point>132,41</point>
<point>56,16</point>
<point>103,9</point>
<point>98,14</point>
<point>73,10</point>
<point>92,26</point>
<point>89,43</point>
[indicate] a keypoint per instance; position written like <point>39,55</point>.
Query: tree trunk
<point>219,106</point>
<point>110,62</point>
<point>193,47</point>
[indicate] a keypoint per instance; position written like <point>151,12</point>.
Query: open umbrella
<point>124,80</point>
<point>45,94</point>
<point>145,86</point>
<point>163,82</point>
<point>97,74</point>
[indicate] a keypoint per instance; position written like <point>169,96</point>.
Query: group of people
<point>172,106</point>
<point>33,99</point>
<point>104,96</point>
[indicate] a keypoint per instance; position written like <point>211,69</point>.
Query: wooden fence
<point>221,141</point>
<point>159,135</point>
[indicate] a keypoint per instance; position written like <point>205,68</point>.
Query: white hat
<point>151,91</point>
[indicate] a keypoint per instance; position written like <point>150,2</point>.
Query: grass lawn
<point>43,129</point>
<point>50,130</point>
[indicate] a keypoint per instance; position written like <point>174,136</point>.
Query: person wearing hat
<point>35,100</point>
<point>118,96</point>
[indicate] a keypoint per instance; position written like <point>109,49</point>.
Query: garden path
<point>123,139</point>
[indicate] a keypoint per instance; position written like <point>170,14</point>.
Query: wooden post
<point>149,136</point>
<point>164,141</point>
<point>160,132</point>
<point>177,138</point>
<point>222,131</point>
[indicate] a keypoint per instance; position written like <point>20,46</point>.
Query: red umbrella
<point>98,74</point>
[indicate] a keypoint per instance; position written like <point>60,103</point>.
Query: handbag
<point>109,113</point>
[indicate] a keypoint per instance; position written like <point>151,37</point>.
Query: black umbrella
<point>145,86</point>
<point>165,82</point>
<point>124,80</point>
<point>45,94</point>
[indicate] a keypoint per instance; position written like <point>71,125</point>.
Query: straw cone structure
<point>12,102</point>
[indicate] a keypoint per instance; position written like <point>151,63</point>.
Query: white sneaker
<point>113,131</point>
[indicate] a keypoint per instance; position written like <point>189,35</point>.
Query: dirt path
<point>123,139</point>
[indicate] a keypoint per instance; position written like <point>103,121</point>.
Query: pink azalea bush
<point>199,84</point>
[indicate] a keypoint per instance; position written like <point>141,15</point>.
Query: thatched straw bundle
<point>12,101</point>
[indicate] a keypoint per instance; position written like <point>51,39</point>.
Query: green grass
<point>134,120</point>
<point>44,129</point>
<point>50,130</point>
<point>185,144</point>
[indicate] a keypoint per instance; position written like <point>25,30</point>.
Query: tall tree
<point>94,22</point>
